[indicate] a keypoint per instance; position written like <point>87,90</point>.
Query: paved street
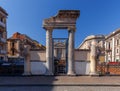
<point>60,80</point>
<point>60,83</point>
<point>59,88</point>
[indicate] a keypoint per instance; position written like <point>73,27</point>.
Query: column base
<point>49,73</point>
<point>94,74</point>
<point>71,74</point>
<point>26,74</point>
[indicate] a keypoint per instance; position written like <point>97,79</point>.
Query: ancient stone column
<point>93,60</point>
<point>49,52</point>
<point>27,66</point>
<point>71,64</point>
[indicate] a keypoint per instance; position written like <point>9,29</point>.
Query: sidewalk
<point>60,81</point>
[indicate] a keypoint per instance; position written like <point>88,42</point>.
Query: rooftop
<point>3,11</point>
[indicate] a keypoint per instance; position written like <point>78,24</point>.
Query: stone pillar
<point>27,66</point>
<point>49,52</point>
<point>71,64</point>
<point>93,59</point>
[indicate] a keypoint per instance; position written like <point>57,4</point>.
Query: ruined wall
<point>82,54</point>
<point>82,61</point>
<point>38,55</point>
<point>38,62</point>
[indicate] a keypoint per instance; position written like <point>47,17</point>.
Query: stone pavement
<point>59,81</point>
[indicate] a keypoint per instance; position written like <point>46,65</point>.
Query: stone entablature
<point>63,20</point>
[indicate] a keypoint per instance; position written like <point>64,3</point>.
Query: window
<point>12,44</point>
<point>98,41</point>
<point>1,58</point>
<point>109,45</point>
<point>1,19</point>
<point>13,49</point>
<point>13,52</point>
<point>117,42</point>
<point>117,50</point>
<point>1,35</point>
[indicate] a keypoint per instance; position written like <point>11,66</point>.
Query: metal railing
<point>3,40</point>
<point>2,51</point>
<point>2,24</point>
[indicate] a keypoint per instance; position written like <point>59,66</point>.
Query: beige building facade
<point>15,49</point>
<point>3,34</point>
<point>112,46</point>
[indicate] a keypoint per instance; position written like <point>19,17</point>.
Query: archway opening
<point>60,58</point>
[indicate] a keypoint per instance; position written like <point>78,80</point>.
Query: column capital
<point>71,28</point>
<point>48,28</point>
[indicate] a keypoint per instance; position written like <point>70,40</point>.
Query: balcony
<point>108,50</point>
<point>2,24</point>
<point>2,51</point>
<point>3,40</point>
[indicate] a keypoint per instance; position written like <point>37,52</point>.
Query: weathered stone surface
<point>62,20</point>
<point>93,58</point>
<point>65,19</point>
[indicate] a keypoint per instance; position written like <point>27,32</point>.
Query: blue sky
<point>96,17</point>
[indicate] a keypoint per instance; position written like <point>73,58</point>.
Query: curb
<point>98,85</point>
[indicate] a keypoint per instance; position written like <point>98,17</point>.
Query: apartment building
<point>112,46</point>
<point>16,44</point>
<point>3,34</point>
